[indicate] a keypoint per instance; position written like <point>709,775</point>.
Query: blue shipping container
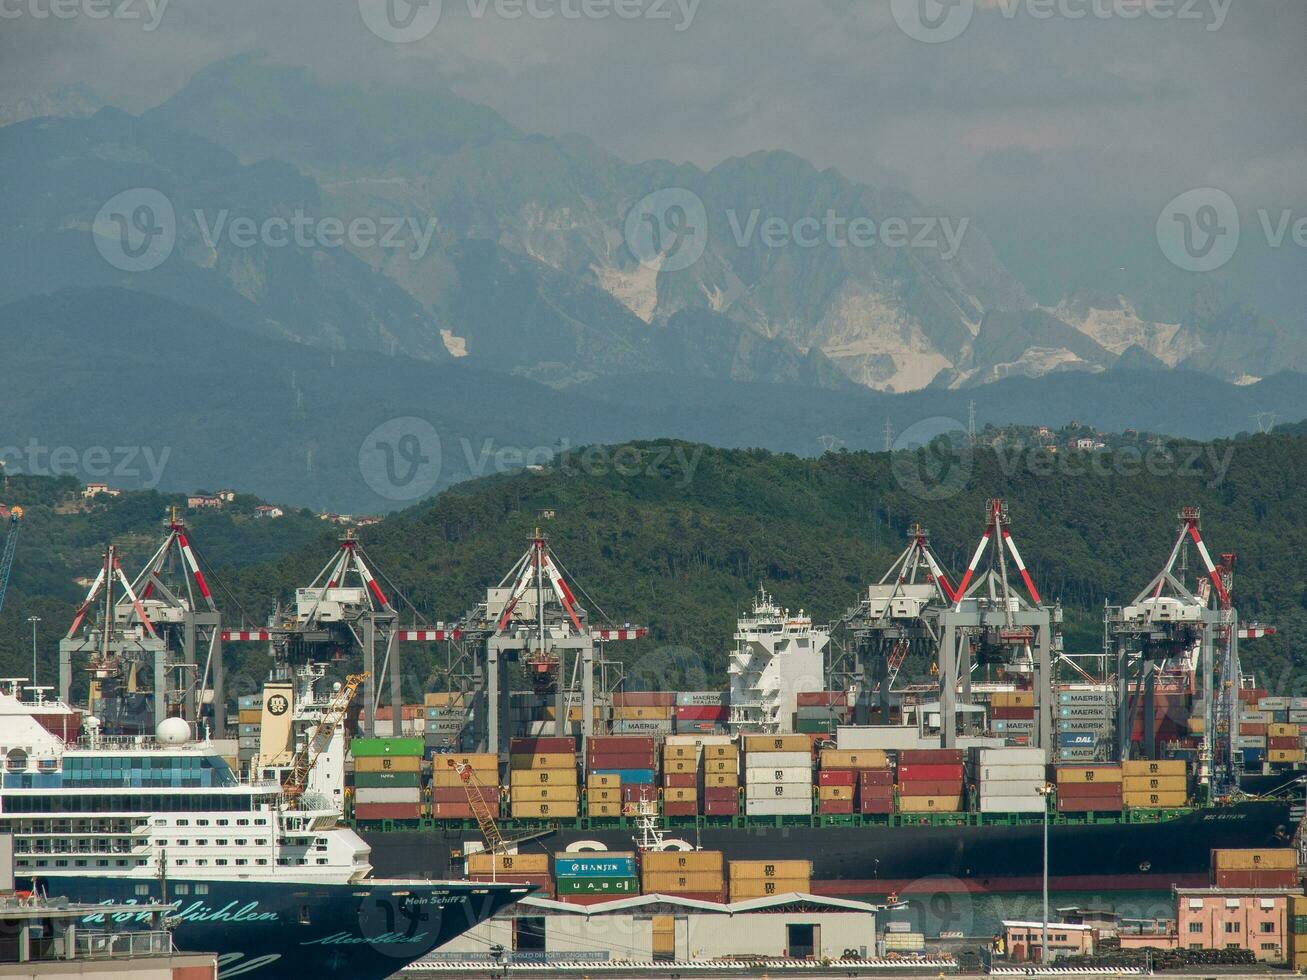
<point>1087,739</point>
<point>594,867</point>
<point>641,776</point>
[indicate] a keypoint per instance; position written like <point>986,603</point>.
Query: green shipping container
<point>811,726</point>
<point>373,748</point>
<point>386,780</point>
<point>1299,927</point>
<point>598,886</point>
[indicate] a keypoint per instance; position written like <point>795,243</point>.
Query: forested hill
<point>678,536</point>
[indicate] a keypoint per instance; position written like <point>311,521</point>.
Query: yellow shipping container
<point>643,713</point>
<point>1284,755</point>
<point>544,811</point>
<point>680,794</point>
<point>1256,859</point>
<point>1275,731</point>
<point>716,751</point>
<point>610,795</point>
<point>682,881</point>
<point>743,870</point>
<point>721,765</point>
<point>1155,784</point>
<point>1196,725</point>
<point>522,864</point>
<point>930,804</point>
<point>389,763</point>
<point>743,890</point>
<point>604,780</point>
<point>251,716</point>
<point>723,779</point>
<point>1298,905</point>
<point>550,713</point>
<point>835,792</point>
<point>680,765</point>
<point>542,777</point>
<point>442,699</point>
<point>1154,767</point>
<point>854,759</point>
<point>680,752</point>
<point>1012,699</point>
<point>682,861</point>
<point>537,794</point>
<point>1154,800</point>
<point>594,809</point>
<point>1089,774</point>
<point>777,743</point>
<point>543,760</point>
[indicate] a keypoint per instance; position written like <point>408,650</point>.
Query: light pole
<point>1045,791</point>
<point>34,620</point>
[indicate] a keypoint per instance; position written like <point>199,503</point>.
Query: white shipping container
<point>1011,787</point>
<point>399,794</point>
<point>1011,804</point>
<point>1013,756</point>
<point>778,791</point>
<point>781,807</point>
<point>991,773</point>
<point>778,760</point>
<point>881,737</point>
<point>789,774</point>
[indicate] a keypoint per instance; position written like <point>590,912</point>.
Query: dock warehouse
<point>649,927</point>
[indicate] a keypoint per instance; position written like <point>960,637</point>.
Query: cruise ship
<point>265,882</point>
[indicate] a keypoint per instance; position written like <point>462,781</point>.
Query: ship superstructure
<point>777,655</point>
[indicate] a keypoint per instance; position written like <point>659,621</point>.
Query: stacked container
<point>930,780</point>
<point>680,780</point>
<point>1150,783</point>
<point>586,877</point>
<point>445,714</point>
<point>688,874</point>
<point>777,775</point>
<point>761,879</point>
<point>1012,716</point>
<point>721,780</point>
<point>249,722</point>
<point>387,778</point>
<point>603,794</point>
<point>867,770</point>
<point>516,869</point>
<point>644,713</point>
<point>820,712</point>
<point>620,768</point>
<point>1284,743</point>
<point>1247,868</point>
<point>449,794</point>
<point>1296,915</point>
<point>702,711</point>
<point>1009,780</point>
<point>412,721</point>
<point>1089,789</point>
<point>543,778</point>
<point>1085,720</point>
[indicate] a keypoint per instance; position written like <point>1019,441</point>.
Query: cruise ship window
<point>183,823</point>
<point>242,861</point>
<point>220,843</point>
<point>220,861</point>
<point>241,841</point>
<point>202,862</point>
<point>182,889</point>
<point>242,823</point>
<point>201,889</point>
<point>183,843</point>
<point>142,889</point>
<point>222,823</point>
<point>181,862</point>
<point>260,860</point>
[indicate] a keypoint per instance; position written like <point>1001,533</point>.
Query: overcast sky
<point>1121,107</point>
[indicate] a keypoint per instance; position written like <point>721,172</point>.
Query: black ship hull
<point>364,931</point>
<point>878,860</point>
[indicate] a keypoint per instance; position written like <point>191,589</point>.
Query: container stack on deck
<point>760,879</point>
<point>681,780</point>
<point>1154,783</point>
<point>702,712</point>
<point>865,771</point>
<point>249,721</point>
<point>1297,930</point>
<point>516,869</point>
<point>445,715</point>
<point>777,775</point>
<point>930,780</point>
<point>1255,868</point>
<point>1012,716</point>
<point>543,778</point>
<point>449,793</point>
<point>1089,789</point>
<point>688,874</point>
<point>1085,720</point>
<point>1010,780</point>
<point>721,779</point>
<point>1284,743</point>
<point>820,712</point>
<point>387,778</point>
<point>587,877</point>
<point>644,713</point>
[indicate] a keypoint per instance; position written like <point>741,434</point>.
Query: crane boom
<point>7,556</point>
<point>495,842</point>
<point>307,757</point>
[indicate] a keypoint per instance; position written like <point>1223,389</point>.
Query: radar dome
<point>173,731</point>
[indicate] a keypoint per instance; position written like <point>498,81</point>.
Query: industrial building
<point>643,928</point>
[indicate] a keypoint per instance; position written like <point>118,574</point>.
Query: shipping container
<point>1088,774</point>
<point>387,811</point>
<point>1154,767</point>
<point>484,863</point>
<point>556,792</point>
<point>742,891</point>
<point>544,811</point>
<point>854,759</point>
<point>778,743</point>
<point>388,763</point>
<point>1255,859</point>
<point>778,791</point>
<point>930,804</point>
<point>778,807</point>
<point>542,760</point>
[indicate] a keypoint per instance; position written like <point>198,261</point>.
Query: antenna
<point>889,436</point>
<point>971,422</point>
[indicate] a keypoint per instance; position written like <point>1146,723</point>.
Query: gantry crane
<point>304,760</point>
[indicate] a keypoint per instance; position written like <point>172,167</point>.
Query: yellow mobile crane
<point>307,757</point>
<point>495,842</point>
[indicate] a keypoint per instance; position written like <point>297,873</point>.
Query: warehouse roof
<point>636,902</point>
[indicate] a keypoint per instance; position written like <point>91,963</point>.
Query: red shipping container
<point>644,699</point>
<point>1012,714</point>
<point>876,777</point>
<point>1287,878</point>
<point>387,811</point>
<point>638,792</point>
<point>1087,804</point>
<point>619,744</point>
<point>541,745</point>
<point>721,808</point>
<point>681,779</point>
<point>836,777</point>
<point>927,787</point>
<point>456,794</point>
<point>679,808</point>
<point>1077,791</point>
<point>821,699</point>
<point>876,792</point>
<point>876,806</point>
<point>932,771</point>
<point>1282,742</point>
<point>627,760</point>
<point>930,757</point>
<point>720,793</point>
<point>452,811</point>
<point>702,712</point>
<point>834,806</point>
<point>1251,728</point>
